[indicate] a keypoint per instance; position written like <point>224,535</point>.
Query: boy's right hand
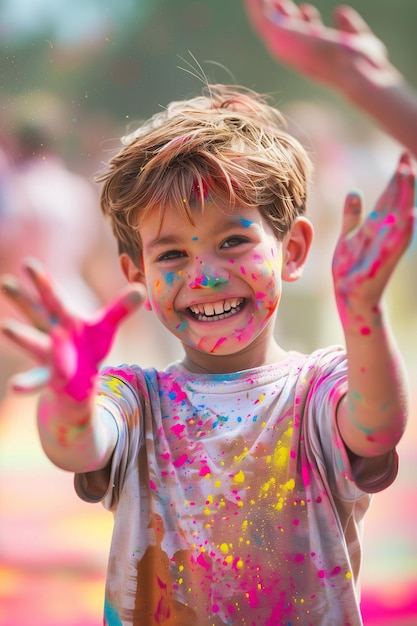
<point>68,349</point>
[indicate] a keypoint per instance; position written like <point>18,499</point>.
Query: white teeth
<point>221,308</point>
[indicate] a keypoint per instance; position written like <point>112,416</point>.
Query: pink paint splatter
<point>180,461</point>
<point>218,343</point>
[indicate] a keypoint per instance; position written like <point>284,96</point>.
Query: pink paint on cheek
<point>365,330</point>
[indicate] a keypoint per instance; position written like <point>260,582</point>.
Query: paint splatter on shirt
<point>233,496</point>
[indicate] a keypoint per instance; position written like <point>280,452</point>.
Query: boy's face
<point>216,284</point>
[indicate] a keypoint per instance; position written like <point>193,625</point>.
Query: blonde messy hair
<point>227,143</point>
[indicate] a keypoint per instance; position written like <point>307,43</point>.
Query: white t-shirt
<point>233,495</point>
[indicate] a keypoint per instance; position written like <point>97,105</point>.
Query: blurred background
<point>75,75</point>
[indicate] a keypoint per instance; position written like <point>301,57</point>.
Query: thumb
<point>128,301</point>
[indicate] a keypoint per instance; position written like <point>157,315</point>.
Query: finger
<point>24,302</point>
<point>310,14</point>
<point>401,215</point>
<point>287,7</point>
<point>350,21</point>
<point>406,182</point>
<point>128,301</point>
<point>31,381</point>
<point>34,342</point>
<point>398,198</point>
<point>44,286</point>
<point>352,213</point>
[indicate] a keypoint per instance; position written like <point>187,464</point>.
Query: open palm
<point>67,348</point>
<point>369,249</point>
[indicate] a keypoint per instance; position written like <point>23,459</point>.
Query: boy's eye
<point>170,255</point>
<point>231,242</point>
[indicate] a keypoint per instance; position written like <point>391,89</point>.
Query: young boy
<point>238,477</point>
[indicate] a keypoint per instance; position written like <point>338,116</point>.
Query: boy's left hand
<point>369,249</point>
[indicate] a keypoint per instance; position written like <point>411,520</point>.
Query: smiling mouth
<point>214,311</point>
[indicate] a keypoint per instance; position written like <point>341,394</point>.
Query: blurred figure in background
<point>50,213</point>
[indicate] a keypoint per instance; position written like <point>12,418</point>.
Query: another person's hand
<point>296,36</point>
<point>68,349</point>
<point>369,248</point>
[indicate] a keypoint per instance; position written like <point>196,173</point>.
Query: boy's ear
<point>133,273</point>
<point>296,246</point>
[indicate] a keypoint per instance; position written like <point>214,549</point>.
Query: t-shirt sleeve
<point>346,472</point>
<point>122,393</point>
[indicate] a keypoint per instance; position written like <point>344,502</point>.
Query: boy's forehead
<point>219,213</point>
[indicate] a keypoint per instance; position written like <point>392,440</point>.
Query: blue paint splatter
<point>169,278</point>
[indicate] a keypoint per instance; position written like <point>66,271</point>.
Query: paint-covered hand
<point>295,35</point>
<point>369,248</point>
<point>68,349</point>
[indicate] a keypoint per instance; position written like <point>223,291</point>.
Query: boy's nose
<point>208,279</point>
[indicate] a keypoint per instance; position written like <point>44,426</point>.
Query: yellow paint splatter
<point>239,477</point>
<point>240,457</point>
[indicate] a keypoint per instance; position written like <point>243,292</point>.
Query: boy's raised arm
<point>348,58</point>
<point>75,435</point>
<point>373,415</point>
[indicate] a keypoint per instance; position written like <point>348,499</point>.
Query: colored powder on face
<point>268,268</point>
<point>245,223</point>
<point>218,344</point>
<point>207,282</point>
<point>169,278</point>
